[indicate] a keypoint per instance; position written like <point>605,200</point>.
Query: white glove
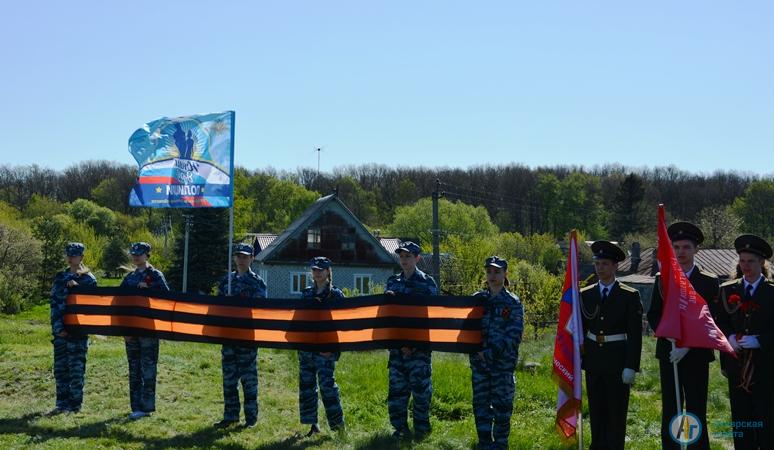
<point>628,376</point>
<point>734,344</point>
<point>677,354</point>
<point>749,342</point>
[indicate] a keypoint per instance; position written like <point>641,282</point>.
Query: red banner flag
<point>685,317</point>
<point>569,335</point>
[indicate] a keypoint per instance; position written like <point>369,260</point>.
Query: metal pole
<point>436,235</point>
<point>677,395</point>
<point>230,244</point>
<point>185,252</point>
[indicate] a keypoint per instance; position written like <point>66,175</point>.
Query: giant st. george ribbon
<point>444,323</point>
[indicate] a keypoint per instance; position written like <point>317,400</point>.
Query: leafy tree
<point>101,219</point>
<point>263,203</point>
<point>361,202</point>
<point>720,226</point>
<point>114,256</point>
<point>111,193</point>
<point>538,290</point>
<point>40,205</point>
<point>81,209</point>
<point>19,268</point>
<point>538,249</point>
<point>756,208</point>
<point>464,273</point>
<point>10,215</point>
<point>456,219</point>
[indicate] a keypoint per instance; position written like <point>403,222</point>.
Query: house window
<point>348,242</point>
<point>297,282</point>
<point>363,283</point>
<point>313,238</point>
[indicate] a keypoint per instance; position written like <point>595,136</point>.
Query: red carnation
<point>506,313</point>
<point>734,299</point>
<point>148,280</point>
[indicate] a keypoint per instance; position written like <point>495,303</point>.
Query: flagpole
<point>677,392</point>
<point>231,209</point>
<point>580,425</point>
<point>230,244</point>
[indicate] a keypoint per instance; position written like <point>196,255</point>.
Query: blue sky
<point>449,83</point>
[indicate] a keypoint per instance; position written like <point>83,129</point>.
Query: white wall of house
<point>279,277</point>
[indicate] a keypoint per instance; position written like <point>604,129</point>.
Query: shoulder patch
<point>708,274</point>
<point>590,287</point>
<point>626,287</point>
<point>729,283</point>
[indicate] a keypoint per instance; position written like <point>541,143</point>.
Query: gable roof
<point>328,203</point>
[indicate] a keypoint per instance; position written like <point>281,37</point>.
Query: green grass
<point>189,399</point>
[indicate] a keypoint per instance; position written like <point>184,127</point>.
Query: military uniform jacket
<point>418,283</point>
<point>621,313</point>
<point>755,318</point>
<point>329,293</point>
<point>59,292</point>
<point>151,276</point>
<point>501,328</point>
<point>246,285</point>
<point>706,284</point>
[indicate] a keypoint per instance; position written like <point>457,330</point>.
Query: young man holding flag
<point>686,321</point>
<point>692,364</point>
<point>612,319</point>
<point>747,317</point>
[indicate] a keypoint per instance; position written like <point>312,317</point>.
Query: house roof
<point>389,243</point>
<point>721,262</point>
<point>329,202</point>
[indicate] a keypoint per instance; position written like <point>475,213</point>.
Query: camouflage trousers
<point>142,353</point>
<point>410,375</point>
<point>69,369</point>
<point>314,368</point>
<point>239,364</point>
<point>493,392</point>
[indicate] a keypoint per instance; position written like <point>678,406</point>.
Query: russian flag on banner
<point>567,357</point>
<point>185,162</point>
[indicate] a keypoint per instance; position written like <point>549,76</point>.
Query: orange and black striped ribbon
<point>444,323</point>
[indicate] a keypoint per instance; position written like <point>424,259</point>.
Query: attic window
<point>348,242</point>
<point>313,238</point>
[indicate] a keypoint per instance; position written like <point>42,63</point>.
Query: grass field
<point>189,399</point>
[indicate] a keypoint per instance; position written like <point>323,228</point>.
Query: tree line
<point>511,210</point>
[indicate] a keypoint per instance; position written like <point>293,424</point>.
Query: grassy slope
<point>189,399</point>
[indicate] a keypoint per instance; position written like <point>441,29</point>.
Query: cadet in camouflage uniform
<point>314,366</point>
<point>410,368</point>
<point>142,353</point>
<point>494,384</point>
<point>238,362</point>
<point>69,348</point>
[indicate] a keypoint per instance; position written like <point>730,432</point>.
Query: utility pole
<point>436,231</point>
<point>188,218</point>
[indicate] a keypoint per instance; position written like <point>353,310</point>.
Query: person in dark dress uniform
<point>692,363</point>
<point>746,319</point>
<point>612,319</point>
